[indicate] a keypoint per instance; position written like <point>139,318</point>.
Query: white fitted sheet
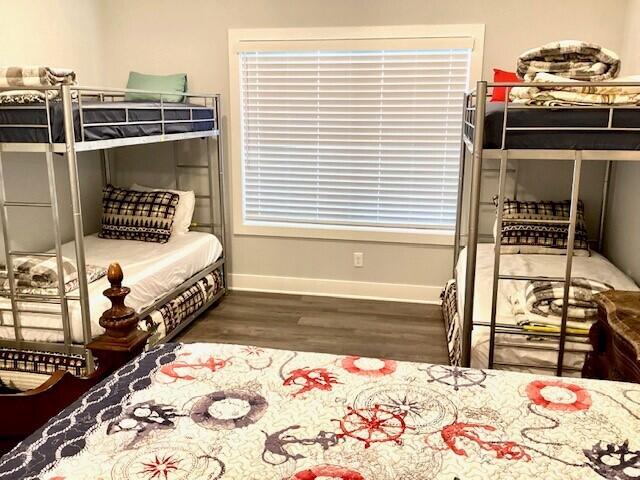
<point>596,267</point>
<point>151,270</point>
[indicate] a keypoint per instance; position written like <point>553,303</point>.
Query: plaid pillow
<point>134,215</point>
<point>519,236</point>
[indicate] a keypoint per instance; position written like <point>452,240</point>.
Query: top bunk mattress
<point>561,139</point>
<point>151,270</point>
<point>125,119</point>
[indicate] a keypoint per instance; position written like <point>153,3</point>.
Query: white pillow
<point>184,211</point>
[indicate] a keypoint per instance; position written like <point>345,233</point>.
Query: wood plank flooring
<point>399,331</point>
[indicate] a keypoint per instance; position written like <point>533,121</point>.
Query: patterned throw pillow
<point>134,215</point>
<point>520,236</point>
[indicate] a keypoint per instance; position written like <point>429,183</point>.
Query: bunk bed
<point>172,282</point>
<point>481,326</point>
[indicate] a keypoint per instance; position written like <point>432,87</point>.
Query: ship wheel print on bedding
<point>228,409</point>
<point>369,367</point>
<point>372,425</point>
<point>455,377</point>
<point>614,462</point>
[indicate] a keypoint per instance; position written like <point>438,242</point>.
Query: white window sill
<point>353,233</point>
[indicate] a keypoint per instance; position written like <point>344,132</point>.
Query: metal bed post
<point>474,210</point>
<point>575,191</point>
<point>461,167</point>
<point>603,204</point>
<point>55,214</point>
<point>78,230</point>
<point>4,224</point>
<point>221,192</point>
<point>504,159</point>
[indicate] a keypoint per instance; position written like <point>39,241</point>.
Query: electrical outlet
<point>358,259</point>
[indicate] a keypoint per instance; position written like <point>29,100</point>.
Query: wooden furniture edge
<point>23,413</point>
<point>613,357</point>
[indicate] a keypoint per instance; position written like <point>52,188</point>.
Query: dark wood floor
<point>400,331</point>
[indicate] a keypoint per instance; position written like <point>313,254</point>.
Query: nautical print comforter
<point>207,411</point>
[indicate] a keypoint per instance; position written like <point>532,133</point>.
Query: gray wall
<point>64,34</point>
<point>139,40</point>
<point>622,239</point>
<point>105,39</point>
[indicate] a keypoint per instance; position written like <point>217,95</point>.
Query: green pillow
<point>158,83</point>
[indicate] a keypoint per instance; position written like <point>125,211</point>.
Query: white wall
<point>159,36</point>
<point>623,224</point>
<point>63,33</point>
<point>105,39</point>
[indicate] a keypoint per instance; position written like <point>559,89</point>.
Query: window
<point>356,134</point>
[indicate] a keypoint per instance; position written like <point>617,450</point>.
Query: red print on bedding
<point>558,395</point>
<point>185,370</point>
<point>369,367</point>
<point>327,471</point>
<point>373,425</point>
<point>471,431</point>
<point>310,379</point>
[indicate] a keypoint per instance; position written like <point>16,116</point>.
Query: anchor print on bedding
<point>235,412</point>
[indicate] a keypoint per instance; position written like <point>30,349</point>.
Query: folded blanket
<point>582,94</point>
<point>545,298</point>
<point>525,318</point>
<point>33,77</point>
<point>39,275</point>
<point>569,59</point>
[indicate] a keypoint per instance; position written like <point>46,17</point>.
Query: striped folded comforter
<point>550,95</point>
<point>545,298</point>
<point>38,76</point>
<point>538,306</point>
<point>39,275</point>
<point>571,59</point>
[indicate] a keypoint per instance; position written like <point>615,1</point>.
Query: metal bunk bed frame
<point>72,98</point>
<point>474,109</point>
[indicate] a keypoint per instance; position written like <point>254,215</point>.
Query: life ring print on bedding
<point>369,367</point>
<point>558,395</point>
<point>228,409</point>
<point>327,472</point>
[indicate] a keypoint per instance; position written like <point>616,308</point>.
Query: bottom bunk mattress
<point>151,270</point>
<point>237,412</point>
<point>22,370</point>
<point>595,267</point>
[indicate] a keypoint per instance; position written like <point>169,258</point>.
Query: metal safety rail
<point>76,101</point>
<point>472,142</point>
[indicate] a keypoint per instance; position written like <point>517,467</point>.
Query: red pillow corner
<point>499,93</point>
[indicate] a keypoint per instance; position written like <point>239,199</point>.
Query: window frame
<point>238,41</point>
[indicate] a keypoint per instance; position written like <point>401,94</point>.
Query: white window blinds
<point>362,138</point>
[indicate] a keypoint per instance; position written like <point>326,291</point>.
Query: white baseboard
<point>395,292</point>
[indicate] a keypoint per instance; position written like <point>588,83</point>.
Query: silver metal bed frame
<point>472,143</point>
<point>72,98</point>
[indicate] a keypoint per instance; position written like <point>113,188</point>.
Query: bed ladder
<point>17,298</point>
<point>566,279</point>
